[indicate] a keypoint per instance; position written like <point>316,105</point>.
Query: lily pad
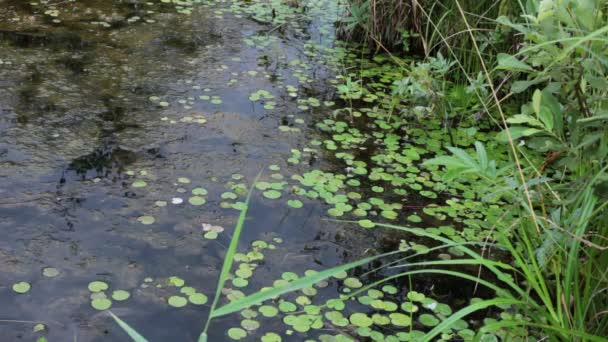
<point>199,191</point>
<point>146,219</point>
<point>120,295</point>
<point>271,194</point>
<point>268,311</point>
<point>198,299</point>
<point>177,301</point>
<point>50,272</point>
<point>197,200</point>
<point>97,286</point>
<point>361,320</point>
<point>139,184</point>
<point>295,204</point>
<point>236,333</point>
<point>21,287</point>
<point>367,224</point>
<point>101,304</point>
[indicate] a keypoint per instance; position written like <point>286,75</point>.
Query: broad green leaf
<point>524,119</point>
<point>521,86</point>
<point>482,156</point>
<point>517,132</point>
<point>508,62</point>
<point>547,118</point>
<point>536,101</point>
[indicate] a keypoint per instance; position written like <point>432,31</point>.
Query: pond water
<point>128,129</point>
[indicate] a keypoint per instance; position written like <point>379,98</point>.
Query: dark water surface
<point>77,121</point>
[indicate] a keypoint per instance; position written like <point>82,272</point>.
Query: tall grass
<point>425,26</point>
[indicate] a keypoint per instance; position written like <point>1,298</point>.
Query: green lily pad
<point>428,320</point>
<point>120,295</point>
<point>97,286</point>
<point>240,282</point>
<point>268,311</point>
<point>236,333</point>
<point>187,290</point>
<point>197,200</point>
<point>367,224</point>
<point>198,299</point>
<point>199,191</point>
<point>295,204</point>
<point>21,287</point>
<point>414,218</point>
<point>271,337</point>
<point>101,304</point>
<point>249,324</point>
<point>139,184</point>
<point>177,301</point>
<point>400,319</point>
<point>50,272</point>
<point>353,283</point>
<point>361,320</point>
<point>176,281</point>
<point>146,219</point>
<point>210,235</point>
<point>285,306</point>
<point>272,194</point>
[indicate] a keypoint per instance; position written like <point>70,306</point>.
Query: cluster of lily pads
<point>100,300</point>
<point>383,313</point>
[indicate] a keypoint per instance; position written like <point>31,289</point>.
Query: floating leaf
<point>197,200</point>
<point>367,224</point>
<point>236,333</point>
<point>268,311</point>
<point>139,184</point>
<point>249,324</point>
<point>199,191</point>
<point>400,319</point>
<point>177,301</point>
<point>97,286</point>
<point>50,272</point>
<point>361,320</point>
<point>271,337</point>
<point>146,219</point>
<point>428,320</point>
<point>295,204</point>
<point>198,299</point>
<point>272,194</point>
<point>353,282</point>
<point>21,287</point>
<point>101,304</point>
<point>120,295</point>
<point>176,281</point>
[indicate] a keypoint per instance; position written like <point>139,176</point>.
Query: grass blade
<point>229,259</point>
<point>135,336</point>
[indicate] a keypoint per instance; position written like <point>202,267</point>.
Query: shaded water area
<point>111,114</point>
